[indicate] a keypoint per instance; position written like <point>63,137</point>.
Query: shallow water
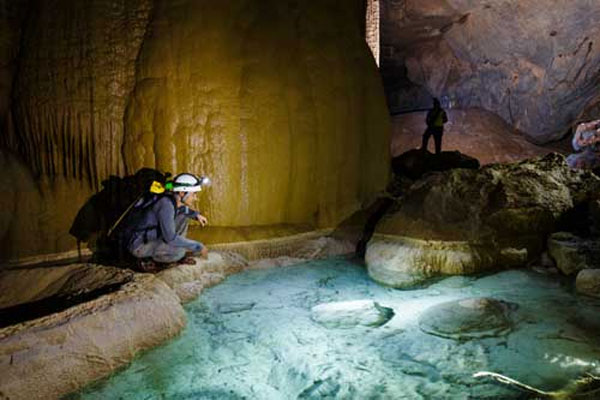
<point>252,337</point>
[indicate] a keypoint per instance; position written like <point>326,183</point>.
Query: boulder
<point>349,314</point>
<point>472,318</point>
<point>572,253</point>
<point>588,282</point>
<point>465,221</point>
<point>403,262</point>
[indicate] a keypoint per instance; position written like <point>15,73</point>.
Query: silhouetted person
<point>436,118</point>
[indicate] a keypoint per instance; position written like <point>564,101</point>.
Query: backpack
<point>134,218</point>
<point>101,212</point>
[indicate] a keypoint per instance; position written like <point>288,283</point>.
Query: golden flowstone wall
<point>279,102</point>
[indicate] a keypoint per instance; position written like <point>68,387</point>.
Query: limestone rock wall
<point>279,102</point>
<point>75,72</point>
<point>12,13</point>
<point>534,63</point>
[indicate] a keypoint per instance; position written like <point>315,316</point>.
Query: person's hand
<point>202,219</point>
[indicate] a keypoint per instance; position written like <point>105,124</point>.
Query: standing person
<point>157,227</point>
<point>436,118</point>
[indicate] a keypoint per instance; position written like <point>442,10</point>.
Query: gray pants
<point>161,252</point>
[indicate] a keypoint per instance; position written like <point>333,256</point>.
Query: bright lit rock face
<point>279,102</point>
<point>534,63</point>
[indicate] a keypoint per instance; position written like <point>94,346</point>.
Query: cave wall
<point>279,102</point>
<point>534,63</point>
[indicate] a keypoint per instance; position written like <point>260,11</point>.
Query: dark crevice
<point>54,304</point>
<point>378,210</point>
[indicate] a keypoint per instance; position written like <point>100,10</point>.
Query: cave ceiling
<point>534,63</point>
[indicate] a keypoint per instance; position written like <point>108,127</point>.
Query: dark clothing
<point>160,233</point>
<point>436,118</point>
<point>437,138</point>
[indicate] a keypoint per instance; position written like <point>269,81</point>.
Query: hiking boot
<point>148,266</point>
<point>187,261</point>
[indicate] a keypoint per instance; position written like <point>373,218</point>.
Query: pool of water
<point>252,337</point>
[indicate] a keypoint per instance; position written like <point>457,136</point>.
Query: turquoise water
<point>252,337</point>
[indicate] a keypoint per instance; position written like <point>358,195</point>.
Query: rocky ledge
<point>67,326</point>
<point>465,221</point>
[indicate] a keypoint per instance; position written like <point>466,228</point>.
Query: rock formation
<point>535,64</point>
<point>464,221</point>
<point>471,318</point>
<point>48,357</point>
<point>278,102</point>
<point>84,321</point>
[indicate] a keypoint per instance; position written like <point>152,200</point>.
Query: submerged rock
<point>349,314</point>
<point>466,319</point>
<point>465,221</point>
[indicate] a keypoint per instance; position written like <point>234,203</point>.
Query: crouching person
<point>159,231</point>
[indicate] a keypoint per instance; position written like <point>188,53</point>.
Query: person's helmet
<point>189,183</point>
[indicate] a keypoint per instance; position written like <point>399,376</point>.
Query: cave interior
<point>420,273</point>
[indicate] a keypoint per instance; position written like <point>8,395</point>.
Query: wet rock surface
<point>494,217</point>
<point>87,341</point>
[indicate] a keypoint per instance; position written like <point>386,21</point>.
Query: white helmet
<point>189,183</point>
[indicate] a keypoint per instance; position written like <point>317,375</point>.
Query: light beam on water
<point>253,337</point>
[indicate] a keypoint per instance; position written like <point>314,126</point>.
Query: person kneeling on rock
<point>158,226</point>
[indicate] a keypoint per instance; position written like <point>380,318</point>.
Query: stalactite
<point>70,99</point>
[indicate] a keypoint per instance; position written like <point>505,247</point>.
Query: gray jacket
<point>158,222</point>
